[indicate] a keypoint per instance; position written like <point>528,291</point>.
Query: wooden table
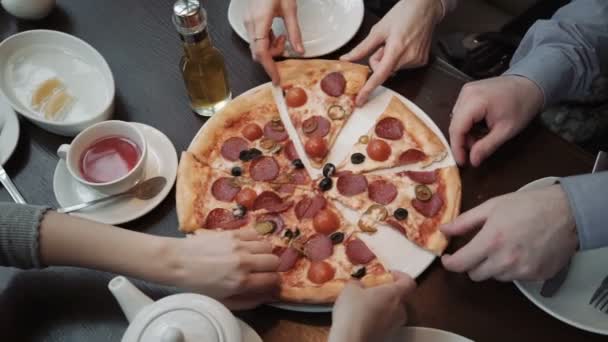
<point>143,50</point>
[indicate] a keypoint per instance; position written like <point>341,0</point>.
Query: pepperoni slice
<point>351,184</point>
<point>223,218</point>
<point>390,128</point>
<point>232,147</point>
<point>323,125</point>
<point>279,208</point>
<point>278,221</point>
<point>300,177</point>
<point>287,188</point>
<point>288,259</point>
<point>264,169</point>
<point>429,208</point>
<point>252,132</point>
<point>342,173</point>
<point>309,207</point>
<point>266,200</point>
<point>382,191</point>
<point>290,151</point>
<point>333,84</point>
<point>276,135</point>
<point>321,272</point>
<point>358,253</point>
<point>223,189</point>
<point>422,177</point>
<point>397,226</point>
<point>319,247</point>
<point>411,156</point>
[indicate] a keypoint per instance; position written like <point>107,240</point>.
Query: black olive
<point>236,171</point>
<point>239,211</point>
<point>400,214</point>
<point>337,237</point>
<point>297,163</point>
<point>329,169</point>
<point>288,234</point>
<point>245,155</point>
<point>297,233</point>
<point>255,153</point>
<point>325,184</point>
<point>357,158</point>
<point>360,273</point>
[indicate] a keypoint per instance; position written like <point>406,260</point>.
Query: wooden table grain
<point>143,50</point>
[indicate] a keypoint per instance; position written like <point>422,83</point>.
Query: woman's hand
<point>263,43</point>
<point>235,267</point>
<point>402,39</point>
<point>371,314</point>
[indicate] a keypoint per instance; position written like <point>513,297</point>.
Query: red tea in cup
<point>109,159</point>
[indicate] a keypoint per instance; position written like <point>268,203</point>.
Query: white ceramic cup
<point>28,9</point>
<point>72,153</point>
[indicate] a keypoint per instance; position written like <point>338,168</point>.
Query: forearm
<point>587,198</point>
<point>71,241</point>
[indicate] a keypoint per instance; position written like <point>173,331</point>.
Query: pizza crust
<point>450,178</point>
<point>192,182</point>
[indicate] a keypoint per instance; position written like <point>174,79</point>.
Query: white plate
<point>9,131</point>
<point>247,333</point>
<point>161,161</point>
<point>326,25</point>
<point>571,303</point>
<point>420,334</point>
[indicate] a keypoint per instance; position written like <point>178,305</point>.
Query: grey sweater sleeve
<point>19,244</point>
<point>588,197</point>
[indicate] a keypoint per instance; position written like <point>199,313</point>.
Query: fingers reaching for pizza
<point>506,104</point>
<point>263,43</point>
<point>402,39</point>
<point>370,314</point>
<point>238,266</point>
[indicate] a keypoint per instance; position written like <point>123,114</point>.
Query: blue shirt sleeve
<point>566,54</point>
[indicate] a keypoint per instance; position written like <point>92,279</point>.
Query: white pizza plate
<point>421,334</point>
<point>247,333</point>
<point>9,131</point>
<point>391,247</point>
<point>571,303</point>
<point>161,161</point>
<point>326,25</point>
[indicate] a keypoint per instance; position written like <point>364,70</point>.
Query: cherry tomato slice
<point>316,147</point>
<point>320,272</point>
<point>252,132</point>
<point>326,222</point>
<point>378,150</point>
<point>246,197</point>
<point>295,97</point>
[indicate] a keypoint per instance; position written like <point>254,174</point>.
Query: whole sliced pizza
<point>243,170</point>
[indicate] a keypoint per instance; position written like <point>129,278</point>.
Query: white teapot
<point>183,317</point>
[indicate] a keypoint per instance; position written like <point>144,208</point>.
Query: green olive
<point>423,192</point>
<point>336,112</point>
<point>265,227</point>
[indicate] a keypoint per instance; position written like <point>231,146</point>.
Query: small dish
<point>161,161</point>
<point>9,132</point>
<point>326,26</point>
<point>422,334</point>
<point>30,58</point>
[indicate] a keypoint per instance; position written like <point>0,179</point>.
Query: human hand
<point>404,40</point>
<point>506,103</point>
<point>262,42</point>
<point>370,314</point>
<point>528,235</point>
<point>235,267</point>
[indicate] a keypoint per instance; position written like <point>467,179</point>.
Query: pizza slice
<point>397,138</point>
<point>248,138</point>
<point>414,202</point>
<point>320,97</point>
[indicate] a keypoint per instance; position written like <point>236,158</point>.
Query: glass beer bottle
<point>202,65</point>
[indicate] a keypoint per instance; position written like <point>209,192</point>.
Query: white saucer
<point>420,334</point>
<point>570,303</point>
<point>161,161</point>
<point>9,131</point>
<point>326,25</point>
<point>247,333</point>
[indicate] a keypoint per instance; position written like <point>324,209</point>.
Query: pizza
<point>320,98</point>
<point>397,138</point>
<point>243,171</point>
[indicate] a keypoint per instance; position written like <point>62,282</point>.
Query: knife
<point>552,285</point>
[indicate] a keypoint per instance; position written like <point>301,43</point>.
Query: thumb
<point>487,145</point>
<point>293,28</point>
<point>404,283</point>
<point>363,49</point>
<point>467,221</point>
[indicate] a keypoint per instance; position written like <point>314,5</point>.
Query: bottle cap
<point>189,17</point>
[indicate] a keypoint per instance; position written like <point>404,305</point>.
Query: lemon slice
<point>44,91</point>
<point>56,106</point>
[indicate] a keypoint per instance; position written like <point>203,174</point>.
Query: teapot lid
<point>184,318</point>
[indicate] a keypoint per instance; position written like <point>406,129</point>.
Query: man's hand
<point>402,39</point>
<point>373,313</point>
<point>235,267</point>
<point>262,42</point>
<point>506,104</point>
<point>528,235</point>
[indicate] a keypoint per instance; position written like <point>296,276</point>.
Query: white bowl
<point>30,57</point>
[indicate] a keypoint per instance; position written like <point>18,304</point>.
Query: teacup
<point>126,176</point>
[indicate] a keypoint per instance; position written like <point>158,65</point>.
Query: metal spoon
<point>143,191</point>
<point>10,187</point>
